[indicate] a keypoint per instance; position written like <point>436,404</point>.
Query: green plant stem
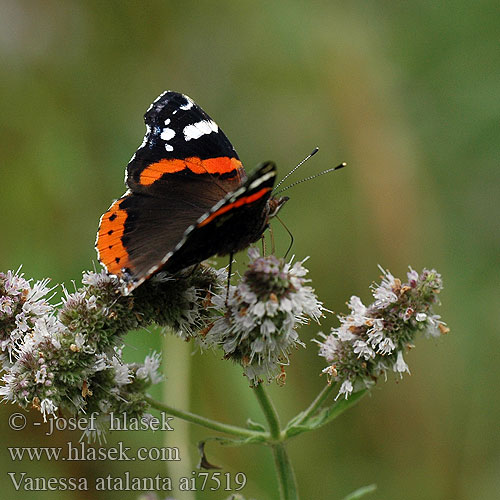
<point>205,422</point>
<point>286,476</point>
<point>269,412</point>
<point>177,359</point>
<point>315,405</point>
<point>284,469</point>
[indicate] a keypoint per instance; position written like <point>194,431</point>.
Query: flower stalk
<point>269,412</point>
<point>284,470</point>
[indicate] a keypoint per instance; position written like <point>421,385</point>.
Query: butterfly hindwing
<point>231,225</point>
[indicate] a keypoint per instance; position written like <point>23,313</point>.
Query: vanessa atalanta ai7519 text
<point>188,197</point>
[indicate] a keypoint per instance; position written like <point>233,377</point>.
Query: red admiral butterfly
<point>188,197</point>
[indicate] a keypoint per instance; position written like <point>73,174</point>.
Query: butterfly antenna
<point>314,151</point>
<point>327,171</point>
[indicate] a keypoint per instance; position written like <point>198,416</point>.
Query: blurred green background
<point>408,93</point>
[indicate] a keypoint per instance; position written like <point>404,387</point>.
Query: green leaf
<point>295,430</point>
<point>255,426</point>
<point>297,418</point>
<point>332,412</point>
<point>325,415</point>
<point>361,492</point>
<point>249,440</point>
<point>225,441</point>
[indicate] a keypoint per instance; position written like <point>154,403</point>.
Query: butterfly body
<point>188,197</point>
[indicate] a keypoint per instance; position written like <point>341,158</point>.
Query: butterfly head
<point>275,204</point>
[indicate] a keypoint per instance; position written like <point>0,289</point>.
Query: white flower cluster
<point>66,359</point>
<point>192,316</point>
<point>32,376</point>
<point>21,306</point>
<point>150,369</point>
<point>371,340</point>
<point>258,329</point>
<point>120,380</point>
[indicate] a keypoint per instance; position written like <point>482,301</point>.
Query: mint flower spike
<point>68,358</point>
<point>371,340</point>
<point>258,329</point>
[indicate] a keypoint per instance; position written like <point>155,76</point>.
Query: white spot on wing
<point>167,134</point>
<point>196,130</point>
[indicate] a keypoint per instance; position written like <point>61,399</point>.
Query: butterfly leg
<point>263,241</point>
<point>289,234</point>
<point>273,242</point>
<point>229,276</point>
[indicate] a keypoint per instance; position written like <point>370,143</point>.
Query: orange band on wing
<point>238,203</point>
<point>112,253</point>
<point>220,165</point>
